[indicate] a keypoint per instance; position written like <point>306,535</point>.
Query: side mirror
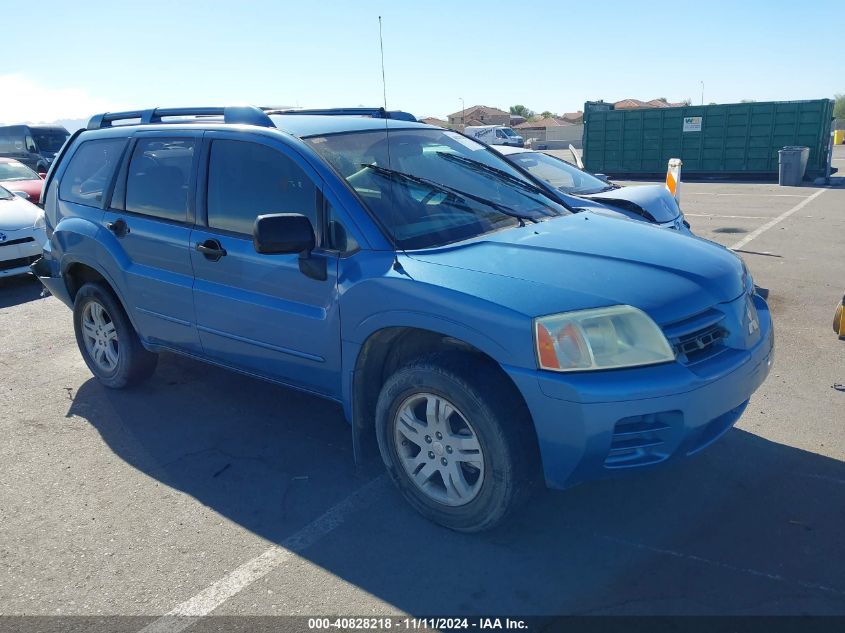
<point>21,194</point>
<point>278,233</point>
<point>602,177</point>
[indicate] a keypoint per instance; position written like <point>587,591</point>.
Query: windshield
<point>16,171</point>
<point>434,187</point>
<point>560,174</point>
<point>509,132</point>
<point>49,141</point>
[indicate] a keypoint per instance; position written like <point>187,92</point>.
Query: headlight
<point>604,338</point>
<point>40,221</point>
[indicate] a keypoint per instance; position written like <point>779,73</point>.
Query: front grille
<point>697,337</point>
<point>697,344</point>
<point>641,439</point>
<point>22,240</point>
<point>17,263</point>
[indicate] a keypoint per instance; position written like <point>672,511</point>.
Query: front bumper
<point>594,426</point>
<point>19,249</point>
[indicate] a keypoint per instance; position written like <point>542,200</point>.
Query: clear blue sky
<point>70,56</point>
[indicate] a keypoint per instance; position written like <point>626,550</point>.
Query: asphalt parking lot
<point>204,491</point>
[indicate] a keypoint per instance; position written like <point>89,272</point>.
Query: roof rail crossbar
<point>248,115</point>
<point>375,113</point>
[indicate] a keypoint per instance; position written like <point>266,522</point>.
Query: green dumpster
<point>730,140</point>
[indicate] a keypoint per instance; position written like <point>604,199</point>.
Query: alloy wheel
<point>439,449</point>
<point>100,336</point>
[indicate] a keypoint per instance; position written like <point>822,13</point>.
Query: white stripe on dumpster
<point>759,231</point>
<point>187,613</point>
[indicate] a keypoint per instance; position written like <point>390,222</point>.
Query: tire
<point>474,407</point>
<point>106,339</point>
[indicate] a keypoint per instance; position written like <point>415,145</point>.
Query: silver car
<point>584,191</point>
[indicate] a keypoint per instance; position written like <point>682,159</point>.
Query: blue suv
<point>477,331</point>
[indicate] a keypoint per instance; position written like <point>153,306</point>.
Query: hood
<point>587,261</point>
<point>31,187</point>
<point>654,199</point>
<point>17,214</point>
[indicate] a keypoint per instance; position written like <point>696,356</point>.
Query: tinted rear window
<point>159,177</point>
<point>90,171</point>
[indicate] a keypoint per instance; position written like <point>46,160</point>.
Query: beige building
<point>432,120</point>
<point>633,104</point>
<point>551,129</point>
<point>573,117</point>
<point>480,115</point>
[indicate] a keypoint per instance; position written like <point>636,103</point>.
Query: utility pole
<point>463,110</point>
<point>702,93</point>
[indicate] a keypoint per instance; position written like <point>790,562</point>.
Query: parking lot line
<point>759,231</point>
<point>756,195</point>
<point>715,563</point>
<point>187,613</point>
<point>713,215</point>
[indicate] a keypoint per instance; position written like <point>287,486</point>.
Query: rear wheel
<point>456,440</point>
<point>108,342</point>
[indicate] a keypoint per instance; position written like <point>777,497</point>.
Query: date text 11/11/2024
<point>417,624</point>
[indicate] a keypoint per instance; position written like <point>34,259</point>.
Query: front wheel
<point>108,342</point>
<point>456,440</point>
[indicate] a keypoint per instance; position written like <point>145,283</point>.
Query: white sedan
<point>22,234</point>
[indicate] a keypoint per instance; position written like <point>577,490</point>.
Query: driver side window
<point>246,180</point>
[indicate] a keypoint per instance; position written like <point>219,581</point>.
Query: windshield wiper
<point>451,191</point>
<point>492,171</point>
<point>624,204</point>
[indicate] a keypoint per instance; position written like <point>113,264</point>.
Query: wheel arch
<point>387,349</point>
<point>77,272</point>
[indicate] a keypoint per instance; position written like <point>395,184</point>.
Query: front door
<point>257,312</point>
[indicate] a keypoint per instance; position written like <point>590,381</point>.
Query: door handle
<point>118,227</point>
<point>211,249</point>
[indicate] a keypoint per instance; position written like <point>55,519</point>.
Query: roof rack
<point>249,115</point>
<point>375,113</point>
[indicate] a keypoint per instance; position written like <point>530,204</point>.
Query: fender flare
<point>92,257</point>
<point>355,350</point>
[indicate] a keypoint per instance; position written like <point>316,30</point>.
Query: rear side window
<point>159,177</point>
<point>247,179</point>
<point>90,171</point>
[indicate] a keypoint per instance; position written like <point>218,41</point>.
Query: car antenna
<point>396,265</point>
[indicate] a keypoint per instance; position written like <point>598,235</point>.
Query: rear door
<point>260,312</point>
<point>151,215</point>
